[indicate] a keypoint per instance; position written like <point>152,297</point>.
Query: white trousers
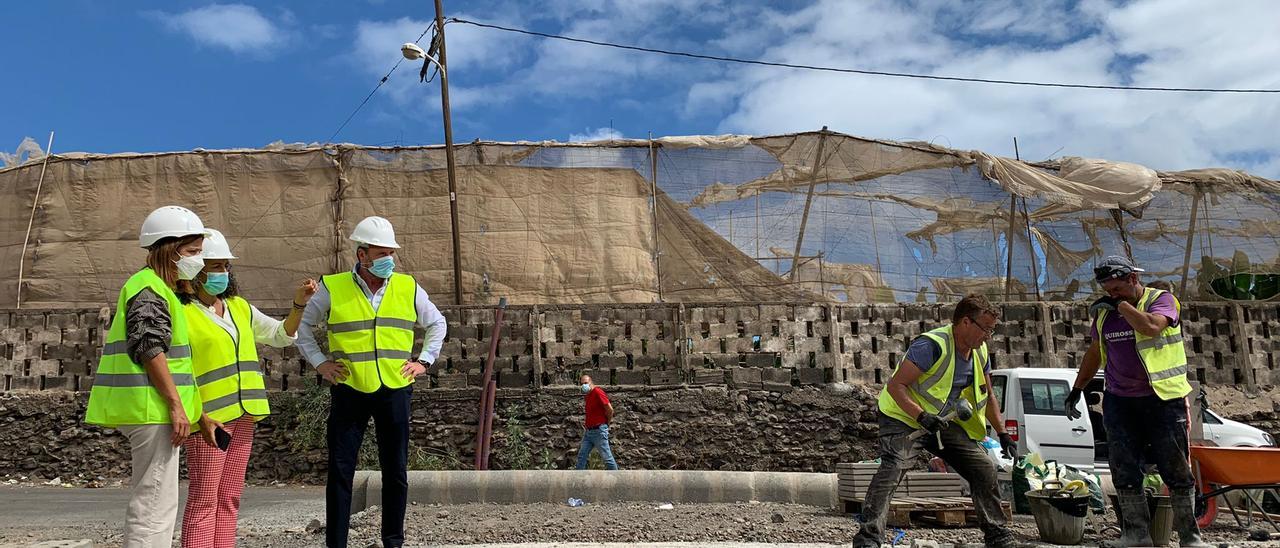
<point>153,506</point>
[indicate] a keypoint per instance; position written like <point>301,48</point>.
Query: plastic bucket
<point>1059,518</point>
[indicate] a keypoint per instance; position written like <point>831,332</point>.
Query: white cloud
<point>1141,42</point>
<point>236,27</point>
<point>1159,43</point>
<point>597,134</point>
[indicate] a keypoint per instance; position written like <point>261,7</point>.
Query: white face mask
<point>189,267</point>
<point>586,388</point>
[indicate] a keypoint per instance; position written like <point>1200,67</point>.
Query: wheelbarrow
<point>1221,470</point>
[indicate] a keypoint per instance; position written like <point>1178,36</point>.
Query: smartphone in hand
<point>222,438</point>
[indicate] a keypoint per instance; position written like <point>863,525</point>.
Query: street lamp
<point>413,52</point>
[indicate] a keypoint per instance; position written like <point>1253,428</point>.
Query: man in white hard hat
<point>370,314</point>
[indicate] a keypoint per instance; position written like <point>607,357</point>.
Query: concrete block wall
<point>755,346</point>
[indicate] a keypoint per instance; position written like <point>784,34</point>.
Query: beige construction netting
<point>545,222</point>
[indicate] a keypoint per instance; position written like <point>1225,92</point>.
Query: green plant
<point>425,458</point>
<point>515,451</point>
<point>310,406</point>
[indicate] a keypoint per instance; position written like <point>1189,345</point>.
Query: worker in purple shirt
<point>1137,341</point>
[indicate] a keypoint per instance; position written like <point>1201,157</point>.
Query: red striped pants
<point>217,479</point>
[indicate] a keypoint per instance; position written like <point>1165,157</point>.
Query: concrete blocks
<point>594,486</point>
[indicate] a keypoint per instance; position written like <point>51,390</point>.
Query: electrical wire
<point>375,89</point>
<point>675,53</point>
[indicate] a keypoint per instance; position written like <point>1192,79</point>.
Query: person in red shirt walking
<point>599,413</point>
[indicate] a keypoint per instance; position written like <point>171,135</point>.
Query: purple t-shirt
<point>1125,375</point>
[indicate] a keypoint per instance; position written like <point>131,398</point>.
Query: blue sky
<point>147,76</point>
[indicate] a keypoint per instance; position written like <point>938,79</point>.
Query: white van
<point>1033,404</point>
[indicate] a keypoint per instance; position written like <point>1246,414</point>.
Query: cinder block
<point>509,379</point>
<point>809,313</point>
<point>58,383</point>
<point>812,375</point>
<point>613,361</point>
<point>708,376</point>
<point>664,376</point>
<point>761,359</point>
<point>42,335</point>
<point>745,377</point>
<point>25,383</point>
<point>722,360</point>
<point>44,367</point>
<point>646,362</point>
<point>452,380</point>
<point>631,377</point>
<point>776,375</point>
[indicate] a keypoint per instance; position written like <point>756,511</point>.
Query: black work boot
<point>1000,537</point>
<point>1184,518</point>
<point>1135,526</point>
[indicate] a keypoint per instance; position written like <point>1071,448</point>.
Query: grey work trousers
<point>897,455</point>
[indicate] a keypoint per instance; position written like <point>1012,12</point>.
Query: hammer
<point>957,409</point>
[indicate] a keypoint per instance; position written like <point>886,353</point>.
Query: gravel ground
<point>287,526</point>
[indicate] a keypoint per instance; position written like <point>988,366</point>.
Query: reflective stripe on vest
<point>372,345</point>
<point>931,390</point>
<point>122,393</point>
<point>227,370</point>
<point>1163,357</point>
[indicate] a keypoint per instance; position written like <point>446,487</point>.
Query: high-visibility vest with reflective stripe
<point>1163,356</point>
<point>931,390</point>
<point>122,393</point>
<point>227,371</point>
<point>373,346</point>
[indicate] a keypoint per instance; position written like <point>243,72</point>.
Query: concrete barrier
<point>676,486</point>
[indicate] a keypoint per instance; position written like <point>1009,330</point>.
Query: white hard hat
<point>375,231</point>
<point>170,222</point>
<point>215,246</point>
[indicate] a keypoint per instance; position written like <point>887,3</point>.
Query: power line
<point>375,90</point>
<point>856,71</point>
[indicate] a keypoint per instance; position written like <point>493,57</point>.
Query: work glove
<point>1073,401</point>
<point>1105,302</point>
<point>930,422</point>
<point>1008,446</point>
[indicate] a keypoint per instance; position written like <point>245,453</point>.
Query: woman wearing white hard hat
<point>144,385</point>
<point>225,331</point>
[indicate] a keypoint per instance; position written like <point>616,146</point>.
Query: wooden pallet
<point>933,511</point>
<point>853,479</point>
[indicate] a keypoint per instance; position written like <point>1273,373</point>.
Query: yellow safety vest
<point>372,345</point>
<point>122,393</point>
<point>931,390</point>
<point>227,372</point>
<point>1163,356</point>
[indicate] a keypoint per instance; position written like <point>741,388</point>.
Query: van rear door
<point>1046,426</point>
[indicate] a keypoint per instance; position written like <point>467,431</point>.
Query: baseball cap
<point>1114,267</point>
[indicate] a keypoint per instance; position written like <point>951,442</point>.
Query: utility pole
<point>808,202</point>
<point>1008,237</point>
<point>448,155</point>
<point>757,222</point>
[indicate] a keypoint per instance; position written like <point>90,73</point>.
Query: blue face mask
<point>383,267</point>
<point>586,388</point>
<point>216,282</point>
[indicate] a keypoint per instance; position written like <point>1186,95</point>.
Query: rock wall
<point>708,428</point>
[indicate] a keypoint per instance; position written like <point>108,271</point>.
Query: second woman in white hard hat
<point>144,385</point>
<point>225,331</point>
